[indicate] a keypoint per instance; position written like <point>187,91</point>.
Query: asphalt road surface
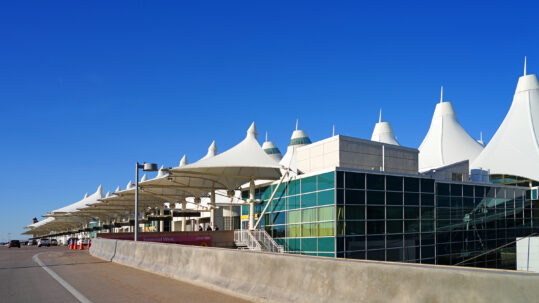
<point>83,278</point>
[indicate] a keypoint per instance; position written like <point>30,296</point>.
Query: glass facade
<point>364,215</point>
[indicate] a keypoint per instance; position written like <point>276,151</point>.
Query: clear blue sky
<point>87,89</point>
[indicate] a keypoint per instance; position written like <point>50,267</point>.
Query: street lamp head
<point>150,167</point>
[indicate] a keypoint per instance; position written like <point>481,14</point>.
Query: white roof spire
<point>212,150</point>
<point>144,178</point>
<point>442,94</point>
<point>333,130</point>
<point>86,195</point>
<point>271,149</point>
<point>117,189</point>
<point>252,130</point>
<point>524,65</point>
<point>380,117</point>
<point>183,161</point>
<point>297,121</point>
<point>266,136</point>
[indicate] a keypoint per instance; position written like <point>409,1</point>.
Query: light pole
<point>145,167</point>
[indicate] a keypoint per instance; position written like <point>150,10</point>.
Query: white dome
<point>271,149</point>
<point>299,138</point>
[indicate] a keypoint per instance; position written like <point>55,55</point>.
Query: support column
<point>212,207</point>
<point>184,219</point>
<point>162,222</point>
<point>252,204</point>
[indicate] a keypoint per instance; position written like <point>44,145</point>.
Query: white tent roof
<point>91,199</point>
<point>235,166</point>
<point>514,149</point>
<point>446,141</point>
<point>383,132</point>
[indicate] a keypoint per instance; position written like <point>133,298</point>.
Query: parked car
<point>54,242</point>
<point>43,242</point>
<point>14,243</point>
<point>31,242</point>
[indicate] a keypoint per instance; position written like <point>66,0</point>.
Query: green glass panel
<point>244,210</point>
<point>308,200</point>
<point>308,215</point>
<point>293,187</point>
<point>326,197</point>
<point>331,255</point>
<point>279,204</point>
<point>294,244</point>
<point>326,213</point>
<point>294,216</point>
<point>309,244</point>
<point>326,181</point>
<point>326,244</point>
<point>293,230</point>
<point>309,230</point>
<point>266,192</point>
<point>308,184</point>
<point>326,229</point>
<point>293,202</point>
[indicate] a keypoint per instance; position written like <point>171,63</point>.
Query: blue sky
<point>87,89</point>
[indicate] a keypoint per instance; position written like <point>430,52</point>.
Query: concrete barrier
<point>287,278</point>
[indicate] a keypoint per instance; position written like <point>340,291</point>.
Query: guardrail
<point>257,240</point>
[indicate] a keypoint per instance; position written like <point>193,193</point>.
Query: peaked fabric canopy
<point>446,141</point>
<point>234,167</point>
<point>383,132</point>
<point>514,149</point>
<point>91,199</point>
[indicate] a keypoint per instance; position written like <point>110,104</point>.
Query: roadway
<point>88,279</point>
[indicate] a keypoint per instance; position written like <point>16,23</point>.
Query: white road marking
<point>62,282</point>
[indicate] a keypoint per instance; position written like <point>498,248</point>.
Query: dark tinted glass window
<point>354,212</point>
<point>377,255</point>
<point>427,199</point>
<point>479,191</point>
<point>394,240</point>
<point>394,198</point>
<point>355,228</point>
<point>394,183</point>
<point>355,243</point>
<point>376,227</point>
<point>411,184</point>
<point>340,179</point>
<point>375,212</point>
<point>411,199</point>
<point>375,242</point>
<point>355,180</point>
<point>456,190</point>
<point>394,227</point>
<point>375,182</point>
<point>394,212</point>
<point>427,185</point>
<point>442,189</point>
<point>411,213</point>
<point>375,197</point>
<point>355,197</point>
<point>467,191</point>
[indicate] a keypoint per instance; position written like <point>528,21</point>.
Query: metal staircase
<point>256,240</point>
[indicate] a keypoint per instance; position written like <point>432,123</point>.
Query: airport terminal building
<point>452,201</point>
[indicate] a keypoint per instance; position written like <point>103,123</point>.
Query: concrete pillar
<point>212,207</point>
<point>162,222</point>
<point>252,204</point>
<point>184,219</point>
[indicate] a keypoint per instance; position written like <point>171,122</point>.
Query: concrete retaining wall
<point>289,278</point>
